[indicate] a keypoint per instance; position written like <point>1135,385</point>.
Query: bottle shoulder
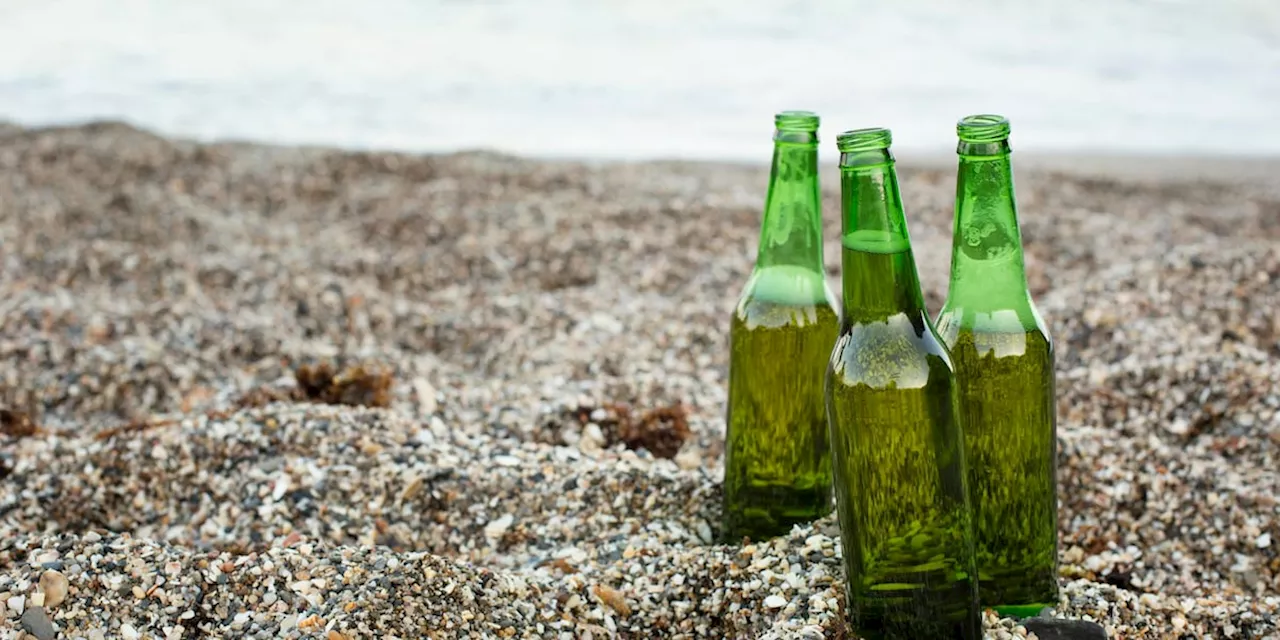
<point>755,313</point>
<point>786,295</point>
<point>1018,317</point>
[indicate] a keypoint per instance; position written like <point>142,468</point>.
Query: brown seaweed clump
<point>17,424</point>
<point>322,383</point>
<point>357,385</point>
<point>661,430</point>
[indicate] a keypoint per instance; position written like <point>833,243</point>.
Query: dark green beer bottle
<point>896,436</point>
<point>1004,361</point>
<point>777,461</point>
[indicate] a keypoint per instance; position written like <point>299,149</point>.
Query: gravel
<point>546,460</point>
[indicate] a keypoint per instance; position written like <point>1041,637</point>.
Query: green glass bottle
<point>777,460</point>
<point>1005,364</point>
<point>896,436</point>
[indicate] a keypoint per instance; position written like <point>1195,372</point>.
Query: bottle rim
<point>983,127</point>
<point>865,139</point>
<point>795,120</point>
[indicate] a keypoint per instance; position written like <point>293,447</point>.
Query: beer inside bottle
<point>1005,364</point>
<point>777,460</point>
<point>896,439</point>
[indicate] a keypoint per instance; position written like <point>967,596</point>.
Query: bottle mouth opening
<point>802,121</point>
<point>868,139</point>
<point>985,127</point>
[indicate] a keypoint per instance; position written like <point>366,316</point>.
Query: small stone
<point>592,438</point>
<point>128,632</point>
<point>613,598</point>
<point>496,528</point>
<point>311,623</point>
<point>54,586</point>
<point>281,487</point>
<point>690,458</point>
<point>426,396</point>
<point>704,531</point>
<point>17,604</point>
<point>571,436</point>
<point>37,623</point>
<point>412,489</point>
<point>775,602</point>
<point>438,427</point>
<point>1063,629</point>
<point>1263,541</point>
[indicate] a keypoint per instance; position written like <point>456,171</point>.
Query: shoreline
<point>1109,164</point>
<point>523,437</point>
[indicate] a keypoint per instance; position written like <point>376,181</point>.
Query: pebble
<point>36,622</point>
<point>1055,629</point>
<point>427,403</point>
<point>498,527</point>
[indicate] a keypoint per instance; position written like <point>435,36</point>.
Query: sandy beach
<point>267,392</point>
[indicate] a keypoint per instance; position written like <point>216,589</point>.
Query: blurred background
<point>652,78</point>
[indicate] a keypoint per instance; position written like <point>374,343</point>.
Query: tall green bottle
<point>1005,363</point>
<point>896,436</point>
<point>777,460</point>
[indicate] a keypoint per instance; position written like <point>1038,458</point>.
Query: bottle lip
<point>983,127</point>
<point>865,139</point>
<point>795,120</point>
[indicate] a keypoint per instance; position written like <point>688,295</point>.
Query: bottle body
<point>1006,376</point>
<point>897,440</point>
<point>899,470</point>
<point>1004,360</point>
<point>777,458</point>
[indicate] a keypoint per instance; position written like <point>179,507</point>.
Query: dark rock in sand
<point>1062,629</point>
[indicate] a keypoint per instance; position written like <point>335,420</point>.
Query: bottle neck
<point>791,232</point>
<point>987,268</point>
<point>880,278</point>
